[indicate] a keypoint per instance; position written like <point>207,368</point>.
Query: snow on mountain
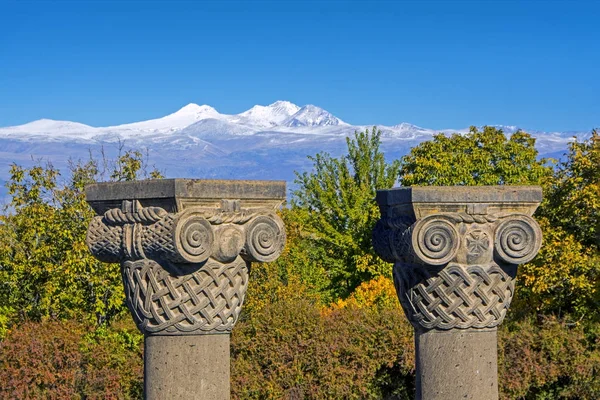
<point>407,130</point>
<point>212,127</point>
<point>49,128</point>
<point>264,142</point>
<point>267,116</point>
<point>178,120</point>
<point>310,115</point>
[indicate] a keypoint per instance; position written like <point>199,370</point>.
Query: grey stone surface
<point>458,364</point>
<point>185,248</point>
<point>176,194</point>
<point>459,194</point>
<point>187,367</point>
<point>455,252</point>
<point>185,270</point>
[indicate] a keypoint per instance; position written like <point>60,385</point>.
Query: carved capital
<point>185,257</point>
<point>456,250</point>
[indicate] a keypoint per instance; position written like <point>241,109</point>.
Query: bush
<point>61,360</point>
<point>295,348</point>
<point>549,359</point>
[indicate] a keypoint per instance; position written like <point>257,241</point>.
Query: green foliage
<point>335,206</point>
<point>46,269</point>
<point>563,278</point>
<point>485,157</point>
<point>573,198</point>
<point>323,321</point>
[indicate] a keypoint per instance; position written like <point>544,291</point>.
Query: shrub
<point>549,359</point>
<point>295,348</point>
<point>64,360</point>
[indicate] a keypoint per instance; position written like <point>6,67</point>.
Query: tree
<point>573,198</point>
<point>336,206</point>
<point>484,157</point>
<point>46,269</point>
<point>565,277</point>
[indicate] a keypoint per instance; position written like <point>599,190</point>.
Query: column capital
<point>185,247</point>
<point>456,250</point>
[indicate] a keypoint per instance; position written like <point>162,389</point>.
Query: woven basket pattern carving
<point>456,297</point>
<point>158,239</point>
<point>105,241</point>
<point>206,300</point>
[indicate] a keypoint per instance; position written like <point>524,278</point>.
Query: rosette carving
<point>518,239</point>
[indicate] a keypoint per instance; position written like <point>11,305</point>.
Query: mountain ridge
<point>197,141</point>
<point>280,114</point>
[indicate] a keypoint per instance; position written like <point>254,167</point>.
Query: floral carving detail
<point>477,243</point>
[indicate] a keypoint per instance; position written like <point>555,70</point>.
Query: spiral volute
<point>435,241</point>
<point>265,238</point>
<point>518,239</point>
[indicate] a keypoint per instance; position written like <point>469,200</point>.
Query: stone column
<point>455,252</point>
<point>185,248</point>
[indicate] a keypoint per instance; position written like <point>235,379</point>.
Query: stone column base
<point>456,364</point>
<point>186,367</point>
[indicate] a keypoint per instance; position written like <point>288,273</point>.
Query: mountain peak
<point>405,126</point>
<point>272,115</point>
<point>194,108</point>
<point>311,115</point>
<point>283,103</point>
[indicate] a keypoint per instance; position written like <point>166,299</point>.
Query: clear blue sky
<point>436,64</point>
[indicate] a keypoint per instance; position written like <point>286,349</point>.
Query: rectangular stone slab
<point>177,194</point>
<point>459,194</point>
<point>421,201</point>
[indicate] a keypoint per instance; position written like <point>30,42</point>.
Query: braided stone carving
<point>458,296</point>
<point>454,269</point>
<point>207,300</point>
<point>186,272</point>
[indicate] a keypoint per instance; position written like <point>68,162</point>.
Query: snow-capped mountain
<point>178,120</point>
<point>310,115</point>
<point>267,116</point>
<point>264,142</point>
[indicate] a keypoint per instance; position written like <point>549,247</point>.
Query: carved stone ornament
<point>456,250</point>
<point>185,247</point>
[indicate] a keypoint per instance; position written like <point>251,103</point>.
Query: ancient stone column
<point>185,248</point>
<point>455,252</point>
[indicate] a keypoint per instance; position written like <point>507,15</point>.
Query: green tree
<point>46,269</point>
<point>484,157</point>
<point>573,198</point>
<point>335,204</point>
<point>565,277</point>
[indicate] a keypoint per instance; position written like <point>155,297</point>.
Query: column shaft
<point>186,367</point>
<point>456,364</point>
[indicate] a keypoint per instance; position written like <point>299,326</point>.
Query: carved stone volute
<point>185,247</point>
<point>456,250</point>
